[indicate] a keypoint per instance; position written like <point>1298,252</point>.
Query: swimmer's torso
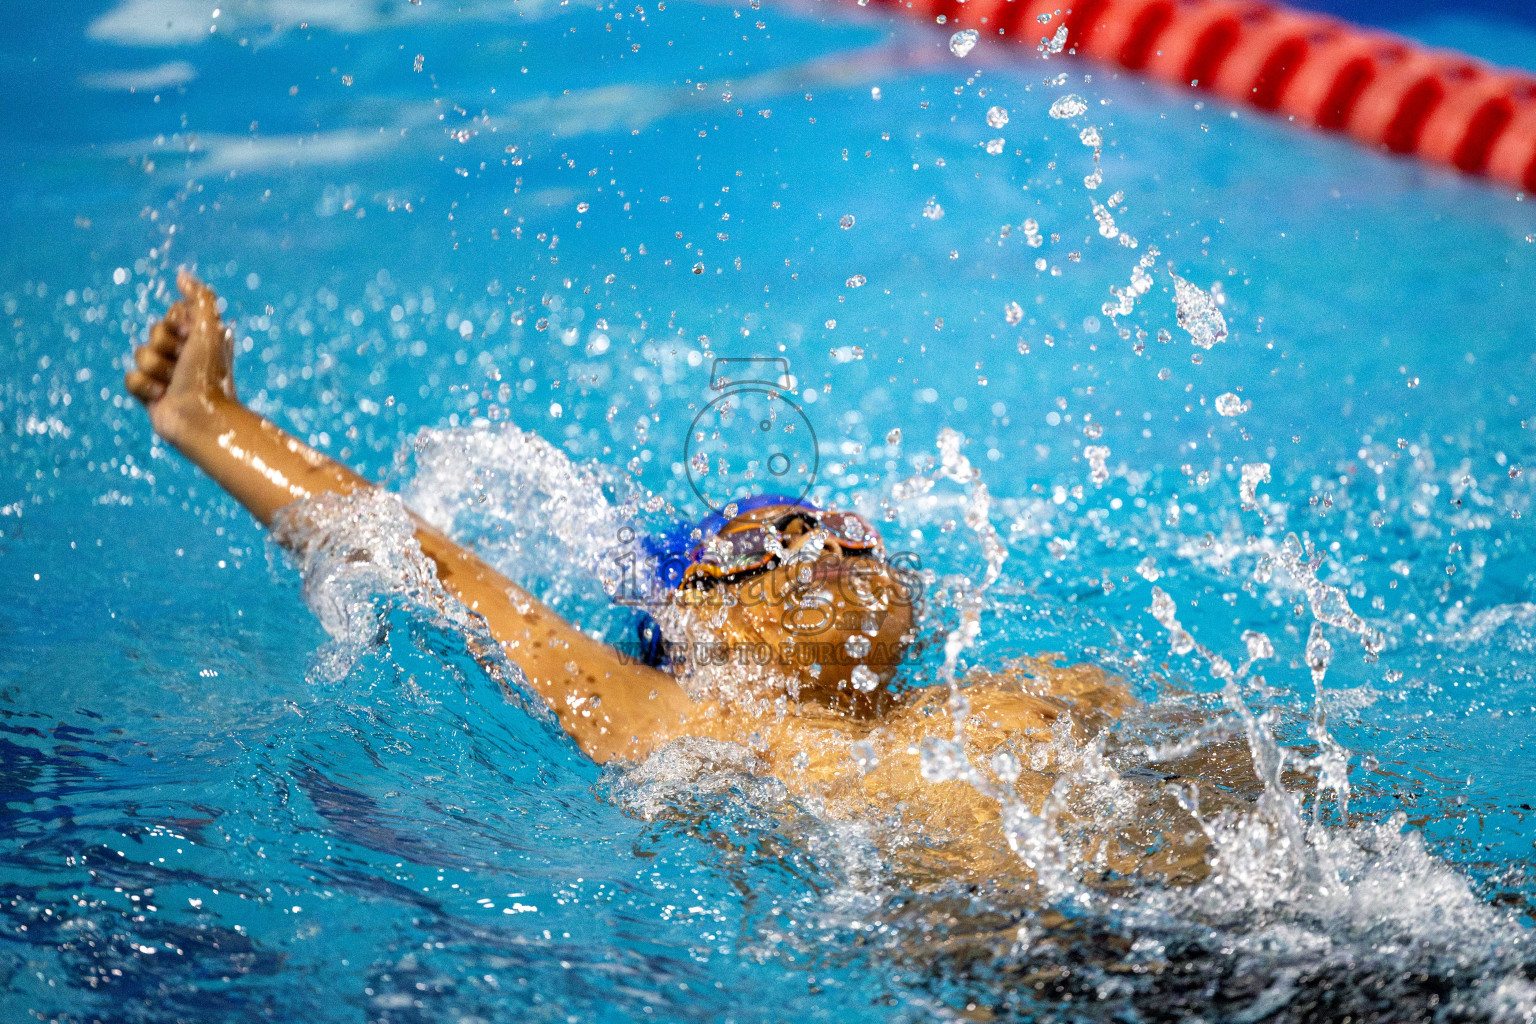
<point>871,770</point>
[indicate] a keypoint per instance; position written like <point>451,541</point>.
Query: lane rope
<point>1383,90</point>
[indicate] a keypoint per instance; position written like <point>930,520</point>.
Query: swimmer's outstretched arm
<point>184,377</point>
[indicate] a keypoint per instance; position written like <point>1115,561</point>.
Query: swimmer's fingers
<point>167,336</point>
<point>144,387</point>
<point>197,294</point>
<point>154,365</point>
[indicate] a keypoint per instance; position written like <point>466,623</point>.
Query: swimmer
<point>802,719</point>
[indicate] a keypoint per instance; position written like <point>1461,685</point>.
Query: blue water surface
<point>468,215</point>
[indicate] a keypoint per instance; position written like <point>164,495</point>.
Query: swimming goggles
<point>743,546</point>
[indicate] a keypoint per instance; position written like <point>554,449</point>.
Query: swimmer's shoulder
<point>1025,694</point>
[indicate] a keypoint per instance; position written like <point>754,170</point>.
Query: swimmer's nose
<point>830,547</point>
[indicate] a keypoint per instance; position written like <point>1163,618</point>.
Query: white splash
<point>513,493</point>
<point>357,552</point>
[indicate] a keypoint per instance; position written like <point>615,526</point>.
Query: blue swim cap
<point>670,548</point>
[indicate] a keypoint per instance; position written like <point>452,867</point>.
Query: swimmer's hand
<point>183,376</point>
<point>185,370</point>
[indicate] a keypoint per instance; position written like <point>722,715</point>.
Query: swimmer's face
<point>819,600</point>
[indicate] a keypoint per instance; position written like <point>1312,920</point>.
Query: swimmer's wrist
<point>186,422</point>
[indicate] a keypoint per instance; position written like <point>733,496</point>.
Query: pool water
<point>443,230</point>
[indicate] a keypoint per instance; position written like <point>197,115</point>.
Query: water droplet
<point>932,210</point>
<point>1166,613</point>
<point>856,281</point>
<point>1147,569</point>
<point>863,753</point>
<point>698,268</point>
<point>1005,765</point>
<point>962,42</point>
<point>1098,471</point>
<point>1319,652</point>
<point>1413,382</point>
<point>1044,19</point>
<point>1258,645</point>
<point>857,646</point>
<point>1106,220</point>
<point>864,680</point>
<point>1013,313</point>
<point>1228,404</point>
<point>1197,314</point>
<point>831,324</point>
<point>995,146</point>
<point>1070,105</point>
<point>942,760</point>
<point>846,222</point>
<point>894,436</point>
<point>997,117</point>
<point>1055,43</point>
<point>1253,474</point>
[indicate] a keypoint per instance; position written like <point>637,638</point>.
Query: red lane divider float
<point>1381,89</point>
